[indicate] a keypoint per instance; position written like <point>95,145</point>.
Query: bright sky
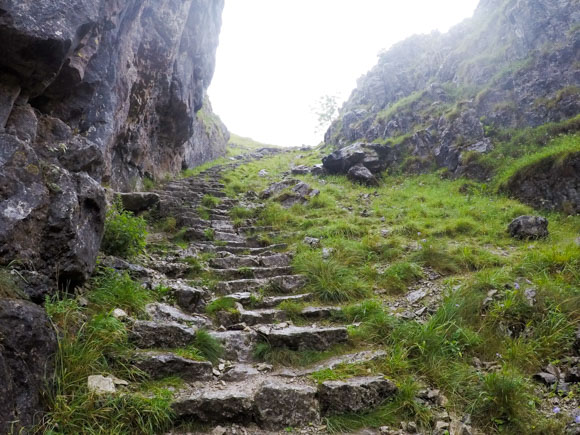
<point>276,58</point>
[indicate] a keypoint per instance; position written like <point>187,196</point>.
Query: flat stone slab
<point>283,284</point>
<point>161,365</point>
<point>275,260</point>
<point>149,334</point>
<point>304,337</point>
<point>278,405</point>
<point>233,403</point>
<point>161,312</point>
<point>261,316</point>
<point>228,237</point>
<point>251,272</point>
<point>354,395</point>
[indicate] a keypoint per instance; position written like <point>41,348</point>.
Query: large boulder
<point>374,157</point>
<point>528,227</point>
<point>27,346</point>
<point>51,217</point>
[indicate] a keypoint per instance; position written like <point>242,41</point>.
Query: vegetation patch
<point>125,234</point>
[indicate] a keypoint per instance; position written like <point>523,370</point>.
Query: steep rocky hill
<point>444,97</point>
<point>93,93</point>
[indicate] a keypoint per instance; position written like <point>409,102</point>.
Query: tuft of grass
<point>209,347</point>
<point>220,304</point>
<point>125,234</point>
<point>328,279</point>
<point>111,289</point>
<point>399,275</point>
<point>210,201</point>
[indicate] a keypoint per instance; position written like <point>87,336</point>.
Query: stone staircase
<point>239,389</point>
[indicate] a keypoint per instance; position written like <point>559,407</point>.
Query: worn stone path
<point>239,390</point>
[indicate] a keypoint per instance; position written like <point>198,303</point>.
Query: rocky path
<point>255,278</point>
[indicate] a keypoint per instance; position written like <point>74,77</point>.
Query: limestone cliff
<point>92,92</point>
<point>435,97</point>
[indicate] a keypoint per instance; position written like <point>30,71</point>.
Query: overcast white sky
<point>277,57</point>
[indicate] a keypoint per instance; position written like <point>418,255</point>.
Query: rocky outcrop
<point>26,339</point>
<point>440,97</point>
<point>92,92</point>
<point>551,183</point>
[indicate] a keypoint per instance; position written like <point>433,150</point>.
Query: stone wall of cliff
<point>513,65</point>
<point>92,93</point>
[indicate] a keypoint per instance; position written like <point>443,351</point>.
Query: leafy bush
<point>125,234</point>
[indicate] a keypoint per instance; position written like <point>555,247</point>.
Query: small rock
<point>312,242</point>
<point>545,378</point>
<point>120,314</point>
<point>221,367</point>
<point>416,296</point>
<point>385,233</point>
<point>326,253</point>
<point>219,431</point>
<point>263,173</point>
<point>101,385</point>
<point>528,227</point>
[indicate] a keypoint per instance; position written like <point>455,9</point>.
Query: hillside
<point>454,100</point>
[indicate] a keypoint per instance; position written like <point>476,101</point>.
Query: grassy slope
<point>457,228</point>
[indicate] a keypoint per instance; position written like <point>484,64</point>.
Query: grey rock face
<point>161,365</point>
<point>439,97</point>
<point>279,405</point>
<point>528,227</point>
<point>553,183</point>
<point>50,217</point>
<point>188,298</point>
<point>26,355</point>
<point>148,334</point>
<point>354,395</point>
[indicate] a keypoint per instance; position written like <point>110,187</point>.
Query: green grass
<point>417,224</point>
<point>210,201</point>
<point>111,289</point>
<point>125,234</point>
<point>220,304</point>
<point>209,347</point>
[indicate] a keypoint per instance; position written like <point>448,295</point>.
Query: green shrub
<point>125,234</point>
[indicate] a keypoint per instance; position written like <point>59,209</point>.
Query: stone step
<point>270,249</point>
<point>271,403</point>
<point>282,284</point>
<point>230,238</point>
<point>256,301</point>
<point>319,313</point>
<point>254,229</point>
<point>224,226</point>
<point>188,298</point>
<point>261,316</point>
<point>303,337</point>
<point>362,357</point>
<point>354,395</point>
<point>159,365</point>
<point>147,334</point>
<point>233,262</point>
<point>251,272</point>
